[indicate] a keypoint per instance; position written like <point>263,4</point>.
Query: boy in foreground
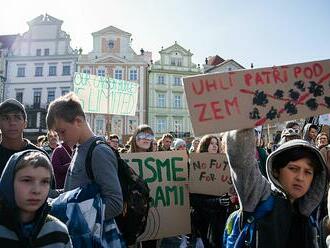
<point>296,179</point>
<point>24,219</point>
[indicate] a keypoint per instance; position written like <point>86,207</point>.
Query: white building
<point>6,41</point>
<point>112,56</point>
<point>40,68</point>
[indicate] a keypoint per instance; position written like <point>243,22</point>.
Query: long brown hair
<point>203,145</point>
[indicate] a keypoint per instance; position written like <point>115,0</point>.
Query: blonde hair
<point>66,107</point>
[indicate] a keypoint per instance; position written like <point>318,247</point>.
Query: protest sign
<point>166,174</point>
<point>324,119</point>
<point>247,98</point>
<point>106,95</point>
<point>210,174</point>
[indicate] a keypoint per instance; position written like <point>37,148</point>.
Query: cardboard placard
<point>247,98</point>
<point>324,119</point>
<point>167,176</point>
<point>210,174</point>
<point>106,95</point>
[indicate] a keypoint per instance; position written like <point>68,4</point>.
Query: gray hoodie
<point>44,225</point>
<point>252,187</point>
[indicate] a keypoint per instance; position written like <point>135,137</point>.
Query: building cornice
<point>42,58</point>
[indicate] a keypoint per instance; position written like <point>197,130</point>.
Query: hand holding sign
<point>247,98</point>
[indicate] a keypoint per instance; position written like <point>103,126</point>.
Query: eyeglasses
<point>292,130</point>
<point>146,136</point>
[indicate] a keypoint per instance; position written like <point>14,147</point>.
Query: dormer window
<point>111,44</point>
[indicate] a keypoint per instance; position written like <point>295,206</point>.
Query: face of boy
<point>53,138</point>
<point>12,125</point>
<point>167,142</point>
<point>31,187</point>
<point>312,133</point>
<point>68,132</point>
<point>296,178</point>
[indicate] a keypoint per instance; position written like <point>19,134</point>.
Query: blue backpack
<point>240,233</point>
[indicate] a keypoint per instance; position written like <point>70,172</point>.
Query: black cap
<point>11,105</point>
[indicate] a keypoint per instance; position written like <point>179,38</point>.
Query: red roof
<point>215,60</point>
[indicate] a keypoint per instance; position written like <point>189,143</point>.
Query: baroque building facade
<point>112,56</point>
<point>167,106</point>
<point>40,68</point>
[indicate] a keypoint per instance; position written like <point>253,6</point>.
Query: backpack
<point>136,196</point>
<point>239,232</point>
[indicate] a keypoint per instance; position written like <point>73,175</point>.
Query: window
<point>38,52</point>
<point>161,80</point>
<point>46,51</point>
<point>66,70</point>
<point>50,96</point>
<point>176,61</point>
<point>21,72</point>
<point>160,125</point>
<point>161,101</point>
<point>101,72</point>
<point>133,75</point>
<point>52,70</point>
<point>36,99</point>
<point>111,44</point>
<point>177,81</point>
<point>87,71</point>
<point>99,126</point>
<point>177,101</point>
<point>19,96</point>
<point>65,91</point>
<point>118,74</point>
<point>32,120</point>
<point>38,71</point>
<point>177,126</point>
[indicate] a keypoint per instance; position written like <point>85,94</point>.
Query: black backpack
<point>136,195</point>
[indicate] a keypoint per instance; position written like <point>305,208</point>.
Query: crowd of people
<point>293,171</point>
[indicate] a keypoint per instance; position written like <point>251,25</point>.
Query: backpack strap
<point>88,161</point>
<point>248,230</point>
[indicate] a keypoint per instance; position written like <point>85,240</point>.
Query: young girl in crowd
<point>141,141</point>
<point>296,181</point>
<point>209,212</point>
<point>24,188</point>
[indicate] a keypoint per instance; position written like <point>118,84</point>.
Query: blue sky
<point>265,33</point>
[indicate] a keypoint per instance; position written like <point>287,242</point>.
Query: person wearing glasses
<point>141,141</point>
<point>13,121</point>
<point>289,134</point>
<point>113,141</point>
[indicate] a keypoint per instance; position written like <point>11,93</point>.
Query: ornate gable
<point>176,48</point>
<point>111,30</point>
<point>44,20</point>
<point>109,59</point>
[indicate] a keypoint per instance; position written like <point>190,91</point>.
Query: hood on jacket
<point>307,127</point>
<point>314,195</point>
<point>8,175</point>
